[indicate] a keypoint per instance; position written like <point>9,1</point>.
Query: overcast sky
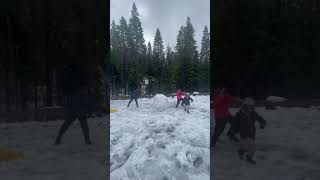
<point>167,15</point>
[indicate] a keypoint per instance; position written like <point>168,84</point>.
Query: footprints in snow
<point>194,159</point>
<point>118,160</point>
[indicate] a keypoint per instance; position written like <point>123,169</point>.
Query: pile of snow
<point>196,93</point>
<point>150,144</point>
<point>161,101</point>
<point>275,99</point>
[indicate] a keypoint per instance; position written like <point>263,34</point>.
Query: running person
<point>179,95</point>
<point>221,104</point>
<point>134,96</point>
<point>80,102</point>
<point>246,118</point>
<point>186,103</point>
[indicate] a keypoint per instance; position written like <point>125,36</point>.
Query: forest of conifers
<point>267,47</point>
<point>39,39</point>
<point>167,68</point>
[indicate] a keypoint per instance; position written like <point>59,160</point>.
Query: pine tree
<point>149,60</point>
<point>205,59</point>
<point>123,63</point>
<point>158,57</point>
<point>137,47</point>
<point>114,36</point>
<point>205,47</point>
<point>186,47</point>
<point>171,69</point>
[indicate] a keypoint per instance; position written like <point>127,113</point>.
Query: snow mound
<point>160,101</point>
<point>196,93</point>
<point>275,99</point>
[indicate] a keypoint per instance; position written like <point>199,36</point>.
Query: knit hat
<point>248,101</point>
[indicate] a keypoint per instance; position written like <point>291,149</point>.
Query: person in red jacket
<point>221,104</point>
<point>179,95</point>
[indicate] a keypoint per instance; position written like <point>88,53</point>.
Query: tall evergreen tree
<point>205,59</point>
<point>124,42</point>
<point>158,57</point>
<point>137,47</point>
<point>149,60</point>
<point>205,47</point>
<point>186,47</point>
<point>114,36</point>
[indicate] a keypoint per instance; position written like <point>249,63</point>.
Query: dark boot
<point>250,160</point>
<point>88,142</point>
<point>232,137</point>
<point>241,153</point>
<point>57,142</point>
<point>66,124</point>
<point>85,129</point>
<point>129,102</point>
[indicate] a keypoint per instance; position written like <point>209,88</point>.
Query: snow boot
<point>88,142</point>
<point>241,153</point>
<point>57,143</point>
<point>232,137</point>
<point>250,160</point>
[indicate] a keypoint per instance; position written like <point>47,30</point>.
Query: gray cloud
<point>167,15</point>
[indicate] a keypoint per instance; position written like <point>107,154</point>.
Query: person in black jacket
<point>134,96</point>
<point>186,103</point>
<point>81,103</point>
<point>244,123</point>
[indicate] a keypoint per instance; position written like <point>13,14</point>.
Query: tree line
<point>39,41</point>
<point>267,47</point>
<point>167,68</point>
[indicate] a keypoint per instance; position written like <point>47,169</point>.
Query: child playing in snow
<point>245,124</point>
<point>222,101</point>
<point>186,103</point>
<point>179,94</point>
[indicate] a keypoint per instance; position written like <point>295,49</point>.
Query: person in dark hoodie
<point>134,96</point>
<point>245,122</point>
<point>81,103</point>
<point>186,102</point>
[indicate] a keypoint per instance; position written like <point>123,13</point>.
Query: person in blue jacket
<point>134,96</point>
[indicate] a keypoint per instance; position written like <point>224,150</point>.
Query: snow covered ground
<point>44,161</point>
<point>287,149</point>
<point>159,142</point>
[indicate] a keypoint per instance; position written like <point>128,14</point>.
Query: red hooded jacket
<point>179,94</point>
<point>221,105</point>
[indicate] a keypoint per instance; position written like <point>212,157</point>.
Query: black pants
<point>135,99</point>
<point>178,102</point>
<point>219,128</point>
<point>68,121</point>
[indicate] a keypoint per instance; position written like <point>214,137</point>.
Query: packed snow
<point>42,160</point>
<point>287,149</point>
<point>159,141</point>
